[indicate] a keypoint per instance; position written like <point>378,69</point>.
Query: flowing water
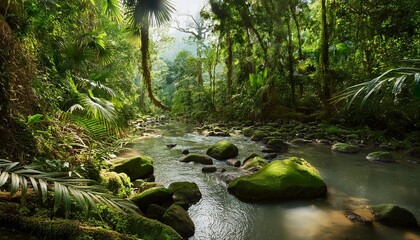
<point>353,182</point>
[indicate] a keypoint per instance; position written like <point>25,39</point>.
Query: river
<point>353,182</point>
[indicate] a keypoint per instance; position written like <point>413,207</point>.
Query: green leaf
<point>44,189</point>
<point>417,85</point>
<point>34,185</point>
<point>34,119</point>
<point>14,187</point>
<point>3,178</point>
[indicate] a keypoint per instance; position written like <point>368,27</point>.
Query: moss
<point>178,219</point>
<point>223,150</point>
<point>292,178</point>
<point>380,157</point>
<point>185,192</point>
<point>345,148</point>
<point>277,145</point>
<point>135,167</point>
<point>118,184</point>
<point>45,228</point>
<point>247,132</point>
<point>259,135</point>
<point>149,229</point>
<point>156,195</point>
<point>255,163</point>
<point>251,156</point>
<point>393,215</point>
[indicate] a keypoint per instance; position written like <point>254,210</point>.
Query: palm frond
<point>395,77</point>
<point>112,9</point>
<point>85,192</point>
<point>150,12</point>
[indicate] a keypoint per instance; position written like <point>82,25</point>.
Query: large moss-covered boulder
<point>118,183</point>
<point>293,178</point>
<point>156,195</point>
<point>277,145</point>
<point>148,229</point>
<point>393,215</point>
<point>384,157</point>
<point>223,150</point>
<point>177,218</point>
<point>185,193</point>
<point>254,164</point>
<point>345,148</point>
<point>198,158</point>
<point>135,167</point>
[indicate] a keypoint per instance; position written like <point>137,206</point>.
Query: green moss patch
<point>293,178</point>
<point>254,164</point>
<point>177,218</point>
<point>135,167</point>
<point>393,215</point>
<point>345,148</point>
<point>223,150</point>
<point>385,157</point>
<point>198,158</point>
<point>185,192</point>
<point>156,195</point>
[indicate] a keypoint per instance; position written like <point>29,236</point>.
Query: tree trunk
<point>229,62</point>
<point>145,64</point>
<point>323,63</point>
<point>292,10</point>
<point>290,61</point>
<point>200,65</point>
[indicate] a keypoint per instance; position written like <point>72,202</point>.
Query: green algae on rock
<point>254,164</point>
<point>135,167</point>
<point>156,195</point>
<point>198,158</point>
<point>178,218</point>
<point>385,157</point>
<point>293,178</point>
<point>393,215</point>
<point>223,150</point>
<point>345,148</point>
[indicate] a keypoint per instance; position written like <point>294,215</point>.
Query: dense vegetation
<point>75,74</point>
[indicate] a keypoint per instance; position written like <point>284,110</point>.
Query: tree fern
<point>85,192</point>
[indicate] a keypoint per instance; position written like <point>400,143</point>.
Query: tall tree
<point>142,14</point>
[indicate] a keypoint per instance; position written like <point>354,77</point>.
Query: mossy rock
<point>250,156</point>
<point>384,157</point>
<point>156,195</point>
<point>155,211</point>
<point>394,215</point>
<point>414,152</point>
<point>247,132</point>
<point>118,183</point>
<point>177,218</point>
<point>254,164</point>
<point>135,167</point>
<point>185,192</point>
<point>223,150</point>
<point>277,145</point>
<point>345,148</point>
<point>198,158</point>
<point>259,135</point>
<point>150,229</point>
<point>293,178</point>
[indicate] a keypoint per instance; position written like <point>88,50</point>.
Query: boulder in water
<point>384,157</point>
<point>233,163</point>
<point>277,145</point>
<point>254,164</point>
<point>198,158</point>
<point>345,148</point>
<point>209,169</point>
<point>293,178</point>
<point>177,218</point>
<point>393,215</point>
<point>223,150</point>
<point>156,195</point>
<point>185,192</point>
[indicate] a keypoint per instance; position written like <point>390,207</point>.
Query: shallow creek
<point>353,182</point>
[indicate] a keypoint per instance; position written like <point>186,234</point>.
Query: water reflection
<point>352,182</point>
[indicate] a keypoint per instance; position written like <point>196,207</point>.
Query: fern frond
<point>86,193</point>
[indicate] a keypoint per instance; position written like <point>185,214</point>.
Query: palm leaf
<point>65,189</point>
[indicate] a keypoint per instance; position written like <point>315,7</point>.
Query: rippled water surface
<point>352,181</point>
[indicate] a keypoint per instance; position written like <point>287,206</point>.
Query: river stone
<point>251,156</point>
<point>270,156</point>
<point>345,148</point>
<point>209,169</point>
<point>247,132</point>
<point>156,195</point>
<point>155,211</point>
<point>135,167</point>
<point>384,157</point>
<point>300,141</point>
<point>277,145</point>
<point>233,163</point>
<point>266,139</point>
<point>293,178</point>
<point>177,218</point>
<point>254,164</point>
<point>393,215</point>
<point>258,135</point>
<point>185,193</point>
<point>198,158</point>
<point>356,218</point>
<point>268,150</point>
<point>185,151</point>
<point>223,150</point>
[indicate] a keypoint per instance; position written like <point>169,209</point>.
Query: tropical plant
<point>85,192</point>
<point>393,78</point>
<point>141,15</point>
